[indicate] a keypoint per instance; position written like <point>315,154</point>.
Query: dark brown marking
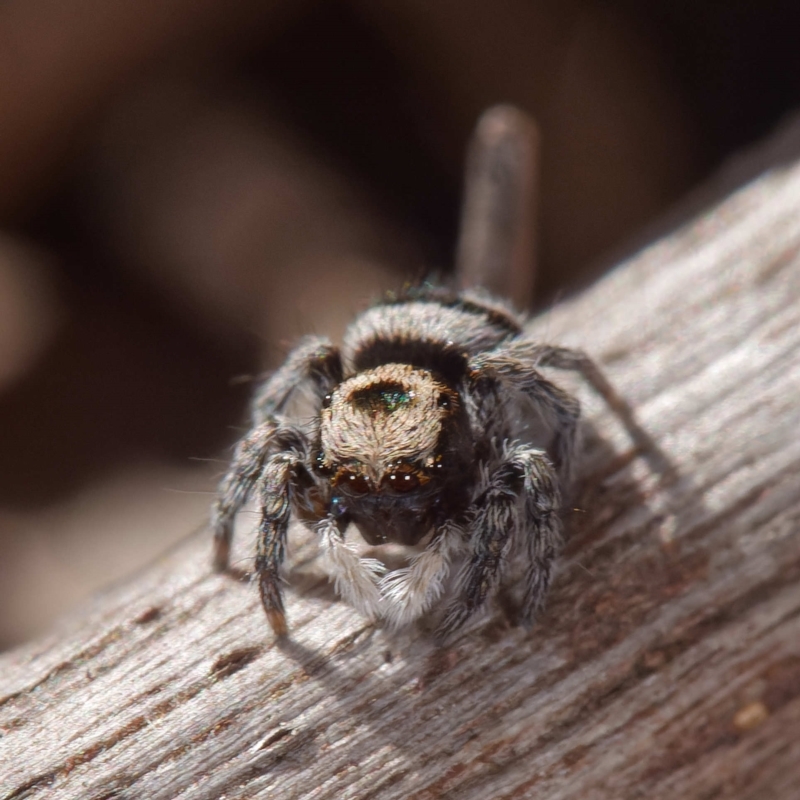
<point>229,664</point>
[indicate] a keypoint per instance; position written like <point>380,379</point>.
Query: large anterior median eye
<point>403,478</point>
<point>353,482</point>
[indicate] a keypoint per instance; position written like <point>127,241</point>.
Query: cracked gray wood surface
<point>667,663</point>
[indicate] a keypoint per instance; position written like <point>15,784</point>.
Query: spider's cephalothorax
<point>396,444</point>
<point>422,429</point>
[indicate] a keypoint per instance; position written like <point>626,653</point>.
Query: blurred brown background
<point>188,185</point>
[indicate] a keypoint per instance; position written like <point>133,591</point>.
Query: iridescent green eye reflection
<point>393,399</point>
<point>383,398</point>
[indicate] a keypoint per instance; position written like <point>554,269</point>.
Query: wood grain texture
<point>666,665</point>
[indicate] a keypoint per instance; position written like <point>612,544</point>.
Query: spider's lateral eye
<point>326,401</point>
<point>319,464</point>
<point>443,401</point>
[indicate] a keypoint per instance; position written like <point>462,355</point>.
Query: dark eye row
<point>403,479</point>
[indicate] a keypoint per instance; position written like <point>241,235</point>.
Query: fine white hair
<point>406,594</point>
<point>355,578</point>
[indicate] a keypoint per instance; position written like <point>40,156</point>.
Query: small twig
<point>496,243</point>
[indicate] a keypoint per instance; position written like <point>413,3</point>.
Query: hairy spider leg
<point>544,537</point>
<point>496,516</point>
<point>275,487</point>
<point>565,358</point>
<point>505,366</point>
<point>314,362</point>
<point>237,486</point>
<point>272,437</point>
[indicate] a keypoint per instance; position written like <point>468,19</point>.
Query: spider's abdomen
<point>426,334</point>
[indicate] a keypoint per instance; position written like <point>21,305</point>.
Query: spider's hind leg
<point>565,358</point>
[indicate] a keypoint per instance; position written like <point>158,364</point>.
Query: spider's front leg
<point>236,488</point>
<point>314,362</point>
<point>520,498</point>
<point>273,457</point>
<point>280,475</point>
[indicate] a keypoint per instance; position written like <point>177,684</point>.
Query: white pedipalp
<point>355,578</point>
<point>407,593</point>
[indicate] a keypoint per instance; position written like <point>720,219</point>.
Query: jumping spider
<point>419,430</point>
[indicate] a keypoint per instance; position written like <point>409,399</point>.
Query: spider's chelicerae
<point>421,434</point>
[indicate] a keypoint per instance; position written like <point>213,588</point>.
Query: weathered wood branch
<point>666,665</point>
